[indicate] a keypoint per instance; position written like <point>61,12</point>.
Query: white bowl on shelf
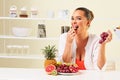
<point>117,32</point>
<point>21,31</point>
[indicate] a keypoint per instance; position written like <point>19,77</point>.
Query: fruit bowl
<point>117,32</point>
<point>21,31</point>
<point>62,69</point>
<point>68,74</point>
<point>67,69</point>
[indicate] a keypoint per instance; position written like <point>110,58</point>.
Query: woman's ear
<point>88,23</point>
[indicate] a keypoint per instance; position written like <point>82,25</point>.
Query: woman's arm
<point>101,57</point>
<point>101,53</point>
<point>67,54</point>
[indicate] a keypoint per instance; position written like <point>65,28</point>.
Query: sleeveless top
<point>80,64</point>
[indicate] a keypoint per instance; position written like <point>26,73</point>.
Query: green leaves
<point>49,52</point>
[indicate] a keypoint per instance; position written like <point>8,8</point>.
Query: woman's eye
<point>75,18</point>
<point>78,18</point>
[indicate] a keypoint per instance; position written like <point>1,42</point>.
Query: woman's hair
<point>88,14</point>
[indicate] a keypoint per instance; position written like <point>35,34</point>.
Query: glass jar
<point>34,12</point>
<point>13,11</point>
<point>23,12</point>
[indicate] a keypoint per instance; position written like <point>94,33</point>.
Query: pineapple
<point>50,54</point>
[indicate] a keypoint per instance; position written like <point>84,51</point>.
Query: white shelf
<point>23,57</point>
<point>31,38</point>
<point>26,57</point>
<point>18,18</point>
<point>4,37</point>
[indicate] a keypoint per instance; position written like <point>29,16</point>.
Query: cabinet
<point>27,47</point>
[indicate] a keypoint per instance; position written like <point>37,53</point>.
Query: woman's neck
<point>82,37</point>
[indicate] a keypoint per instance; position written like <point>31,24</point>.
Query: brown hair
<point>88,14</point>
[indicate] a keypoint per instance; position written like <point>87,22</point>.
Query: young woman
<point>80,47</point>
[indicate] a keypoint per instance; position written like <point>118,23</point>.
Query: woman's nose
<point>74,22</point>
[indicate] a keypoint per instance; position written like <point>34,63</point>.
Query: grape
<point>101,41</point>
<point>103,36</point>
<point>73,69</point>
<point>64,68</point>
<point>63,71</point>
<point>67,71</point>
<point>58,69</point>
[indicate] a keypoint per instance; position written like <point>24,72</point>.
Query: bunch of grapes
<point>64,68</point>
<point>103,36</point>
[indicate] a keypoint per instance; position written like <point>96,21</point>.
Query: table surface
<point>40,74</point>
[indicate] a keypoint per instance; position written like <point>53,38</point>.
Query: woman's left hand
<point>109,38</point>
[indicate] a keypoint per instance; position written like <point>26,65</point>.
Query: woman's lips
<point>76,27</point>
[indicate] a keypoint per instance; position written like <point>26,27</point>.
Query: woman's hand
<point>109,38</point>
<point>101,56</point>
<point>70,35</point>
<point>67,54</point>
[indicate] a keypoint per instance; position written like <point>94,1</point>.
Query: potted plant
<point>49,54</point>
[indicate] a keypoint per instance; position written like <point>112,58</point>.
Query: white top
<point>91,50</point>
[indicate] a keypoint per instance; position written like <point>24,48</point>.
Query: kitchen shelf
<point>26,57</point>
<point>9,41</point>
<point>23,57</point>
<point>18,18</point>
<point>31,38</point>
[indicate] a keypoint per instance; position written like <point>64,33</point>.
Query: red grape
<point>73,69</point>
<point>64,68</point>
<point>103,36</point>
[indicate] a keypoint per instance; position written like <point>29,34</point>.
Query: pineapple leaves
<point>49,52</point>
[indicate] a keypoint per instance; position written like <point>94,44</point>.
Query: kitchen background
<point>54,14</point>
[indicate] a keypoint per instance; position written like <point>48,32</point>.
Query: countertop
<point>40,74</point>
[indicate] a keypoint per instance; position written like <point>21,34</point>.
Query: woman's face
<point>79,19</point>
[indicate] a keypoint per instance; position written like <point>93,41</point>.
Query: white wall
<point>107,16</point>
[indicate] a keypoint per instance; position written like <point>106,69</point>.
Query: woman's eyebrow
<point>78,16</point>
<point>75,16</point>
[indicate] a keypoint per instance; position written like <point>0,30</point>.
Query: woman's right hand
<point>70,35</point>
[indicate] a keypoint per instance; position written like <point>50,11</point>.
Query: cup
<point>110,65</point>
<point>23,12</point>
<point>34,12</point>
<point>13,11</point>
<point>9,49</point>
<point>50,14</point>
<point>25,49</point>
<point>63,14</point>
<point>117,32</point>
